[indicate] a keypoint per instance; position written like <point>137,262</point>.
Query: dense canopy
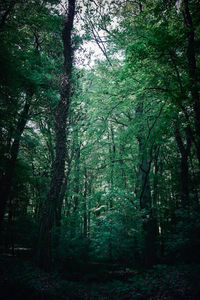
<point>100,149</point>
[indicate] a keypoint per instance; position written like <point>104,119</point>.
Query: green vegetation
<point>99,156</point>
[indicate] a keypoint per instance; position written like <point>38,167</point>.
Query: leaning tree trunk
<point>49,209</point>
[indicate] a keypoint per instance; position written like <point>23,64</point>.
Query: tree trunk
<point>85,203</point>
<point>155,179</point>
<point>48,215</point>
<point>144,194</point>
<point>112,154</point>
<point>184,151</point>
<point>192,71</point>
<point>77,191</point>
<point>6,180</point>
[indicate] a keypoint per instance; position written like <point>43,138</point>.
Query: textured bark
<point>64,187</point>
<point>49,209</point>
<point>62,195</point>
<point>7,179</point>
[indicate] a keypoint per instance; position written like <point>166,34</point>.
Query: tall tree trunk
<point>155,179</point>
<point>77,191</point>
<point>144,194</point>
<point>7,179</point>
<point>64,188</point>
<point>85,203</point>
<point>112,154</point>
<point>122,167</point>
<point>184,151</point>
<point>48,215</point>
<point>192,71</point>
<point>62,195</point>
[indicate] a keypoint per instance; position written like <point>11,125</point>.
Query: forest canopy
<point>100,137</point>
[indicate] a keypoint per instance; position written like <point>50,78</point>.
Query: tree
<point>22,59</point>
<point>51,203</point>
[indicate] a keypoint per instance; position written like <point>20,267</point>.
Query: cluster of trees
<point>103,162</point>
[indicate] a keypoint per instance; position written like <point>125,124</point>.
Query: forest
<point>99,149</point>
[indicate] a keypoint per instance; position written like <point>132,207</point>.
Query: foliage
<point>130,193</point>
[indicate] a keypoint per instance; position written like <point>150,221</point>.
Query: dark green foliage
<point>184,241</point>
<point>124,128</point>
<point>73,254</point>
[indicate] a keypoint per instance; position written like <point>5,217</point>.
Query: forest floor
<point>21,279</point>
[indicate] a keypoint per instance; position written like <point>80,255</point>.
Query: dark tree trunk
<point>143,189</point>
<point>77,178</point>
<point>77,191</point>
<point>63,190</point>
<point>192,71</point>
<point>85,203</point>
<point>122,167</point>
<point>144,194</point>
<point>49,209</point>
<point>61,197</point>
<point>7,179</point>
<point>112,153</point>
<point>184,151</point>
<point>155,179</point>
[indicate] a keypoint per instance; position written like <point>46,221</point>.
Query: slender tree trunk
<point>7,179</point>
<point>77,178</point>
<point>48,215</point>
<point>155,179</point>
<point>192,71</point>
<point>122,167</point>
<point>144,194</point>
<point>184,151</point>
<point>89,207</point>
<point>77,191</point>
<point>112,153</point>
<point>85,203</point>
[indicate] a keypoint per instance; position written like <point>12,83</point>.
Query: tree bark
<point>44,256</point>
